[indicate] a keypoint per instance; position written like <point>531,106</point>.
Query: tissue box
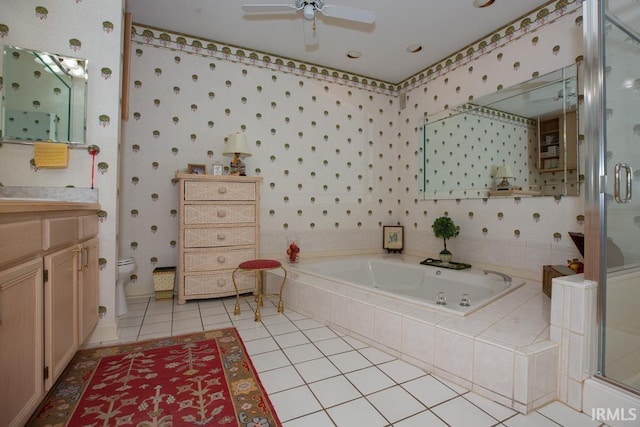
<point>164,280</point>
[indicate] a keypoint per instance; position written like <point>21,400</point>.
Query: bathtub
<point>416,283</point>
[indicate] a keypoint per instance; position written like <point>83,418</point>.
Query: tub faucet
<point>506,277</point>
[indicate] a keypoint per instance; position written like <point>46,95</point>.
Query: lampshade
<point>237,144</point>
<point>504,171</point>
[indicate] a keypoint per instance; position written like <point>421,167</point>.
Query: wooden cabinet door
<point>60,311</point>
<point>21,365</point>
<point>87,288</point>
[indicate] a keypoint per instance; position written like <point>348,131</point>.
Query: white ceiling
<point>441,27</point>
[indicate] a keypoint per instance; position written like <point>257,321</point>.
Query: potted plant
<point>444,228</point>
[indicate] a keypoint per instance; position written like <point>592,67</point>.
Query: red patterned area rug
<point>202,379</point>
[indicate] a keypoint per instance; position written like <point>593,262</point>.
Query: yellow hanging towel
<point>51,155</point>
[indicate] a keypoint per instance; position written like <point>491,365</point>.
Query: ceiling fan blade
<point>268,8</point>
<point>310,32</point>
<point>349,13</point>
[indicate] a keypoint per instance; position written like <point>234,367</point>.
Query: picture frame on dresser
<point>196,169</point>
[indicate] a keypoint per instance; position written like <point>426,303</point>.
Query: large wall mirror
<point>45,97</point>
<point>518,142</point>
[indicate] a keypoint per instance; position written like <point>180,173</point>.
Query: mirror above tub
<point>44,97</point>
<point>521,141</point>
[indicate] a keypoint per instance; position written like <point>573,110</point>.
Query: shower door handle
<point>616,183</point>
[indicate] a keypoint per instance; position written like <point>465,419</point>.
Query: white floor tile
<point>370,380</point>
<point>130,332</point>
<point>452,386</point>
<point>333,391</point>
<point>401,371</point>
<point>294,403</point>
<point>157,318</point>
<point>460,413</point>
<point>357,344</point>
<point>242,324</point>
<point>292,315</point>
<point>423,419</point>
<point>134,313</point>
<point>282,328</point>
<point>273,318</point>
<point>291,339</point>
<point>302,353</point>
<point>254,333</point>
<point>262,345</point>
<point>349,361</point>
<point>271,360</point>
<point>317,419</point>
<point>375,356</point>
<point>395,403</point>
<point>566,416</point>
<point>280,379</point>
<point>333,346</point>
<point>315,370</point>
<point>305,324</point>
<point>128,322</point>
<point>319,334</point>
<point>184,315</point>
<point>213,310</point>
<point>186,330</point>
<point>215,319</point>
<point>356,413</point>
<point>533,419</point>
<point>496,410</point>
<point>429,390</point>
<point>195,322</point>
<point>217,326</point>
<point>155,328</point>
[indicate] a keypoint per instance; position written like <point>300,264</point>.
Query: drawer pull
<point>221,259</point>
<point>222,283</point>
<point>222,214</point>
<point>222,190</point>
<point>222,236</point>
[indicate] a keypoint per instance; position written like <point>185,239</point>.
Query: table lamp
<point>504,172</point>
<point>237,146</point>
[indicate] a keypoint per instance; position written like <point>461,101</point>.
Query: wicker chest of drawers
<point>219,229</point>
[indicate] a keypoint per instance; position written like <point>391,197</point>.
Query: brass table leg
<point>236,309</point>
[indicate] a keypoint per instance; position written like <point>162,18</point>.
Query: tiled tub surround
<point>501,351</point>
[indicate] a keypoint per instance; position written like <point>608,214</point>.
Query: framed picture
<point>196,169</point>
<point>393,238</point>
<point>217,169</point>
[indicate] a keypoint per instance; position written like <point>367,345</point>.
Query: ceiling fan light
<point>483,3</point>
<point>308,12</point>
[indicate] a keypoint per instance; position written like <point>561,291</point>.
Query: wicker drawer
<point>219,236</point>
<point>219,214</point>
<point>216,259</point>
<point>217,284</point>
<point>202,190</point>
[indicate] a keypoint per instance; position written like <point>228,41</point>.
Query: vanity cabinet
<point>219,229</point>
<point>557,145</point>
<point>48,301</point>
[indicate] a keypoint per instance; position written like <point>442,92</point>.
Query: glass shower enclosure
<point>612,135</point>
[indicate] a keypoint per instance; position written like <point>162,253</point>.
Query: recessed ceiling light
<point>483,3</point>
<point>354,54</point>
<point>414,48</point>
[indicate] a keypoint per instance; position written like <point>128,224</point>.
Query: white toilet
<point>126,267</point>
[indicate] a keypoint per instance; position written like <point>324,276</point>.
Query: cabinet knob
<point>221,259</point>
<point>222,283</point>
<point>222,236</point>
<point>222,214</point>
<point>222,190</point>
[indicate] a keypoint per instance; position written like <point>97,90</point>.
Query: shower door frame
<point>594,17</point>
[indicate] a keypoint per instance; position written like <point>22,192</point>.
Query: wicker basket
<point>164,279</point>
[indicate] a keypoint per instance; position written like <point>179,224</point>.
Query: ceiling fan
<point>309,9</point>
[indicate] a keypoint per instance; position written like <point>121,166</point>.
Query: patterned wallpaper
<point>338,156</point>
<point>45,26</point>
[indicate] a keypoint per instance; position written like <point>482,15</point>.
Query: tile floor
<point>316,376</point>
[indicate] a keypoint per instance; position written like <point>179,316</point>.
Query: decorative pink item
<point>292,252</point>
